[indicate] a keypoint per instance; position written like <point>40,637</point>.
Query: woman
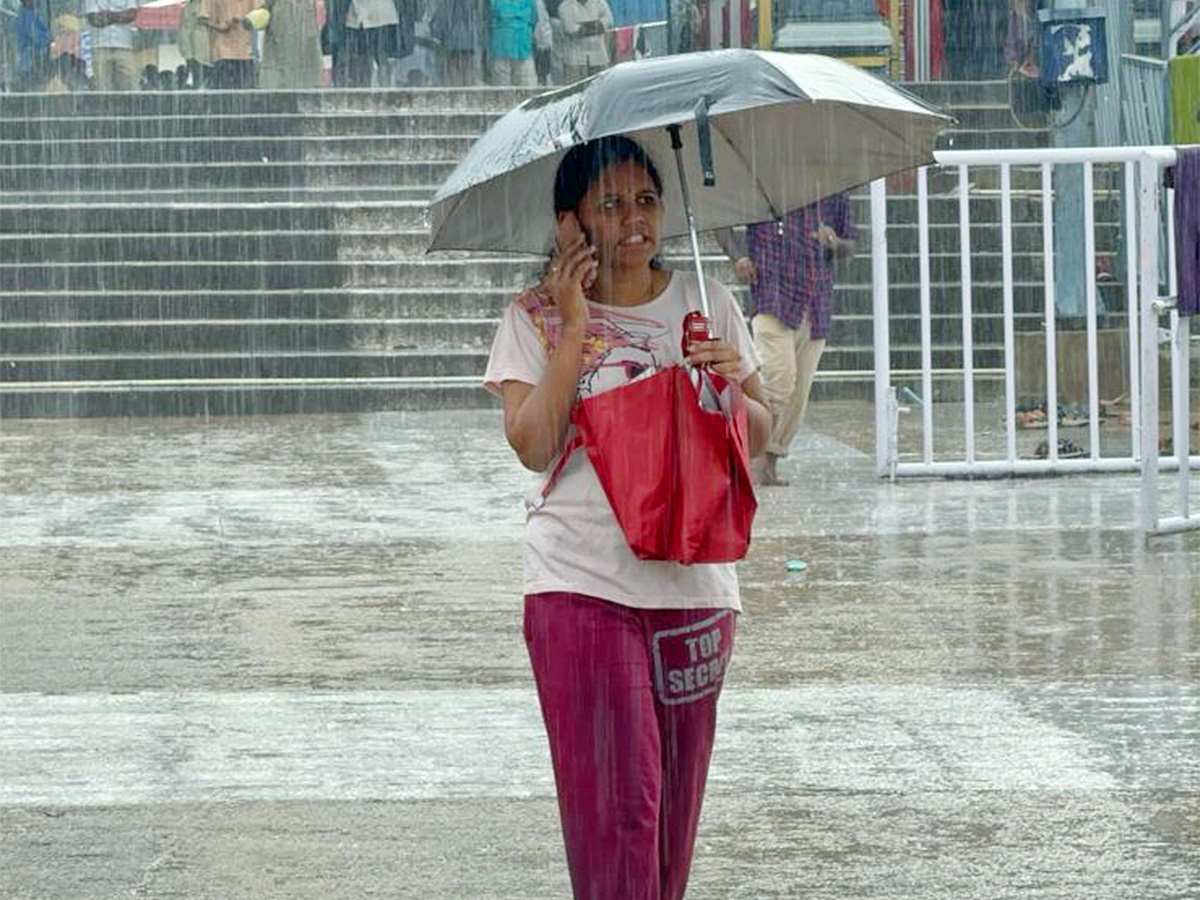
<point>628,655</point>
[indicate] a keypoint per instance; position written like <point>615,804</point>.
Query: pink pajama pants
<point>629,697</point>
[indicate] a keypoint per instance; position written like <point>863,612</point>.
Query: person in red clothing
<point>789,267</point>
<point>629,654</point>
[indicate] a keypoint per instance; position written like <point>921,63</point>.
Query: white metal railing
<point>1144,217</point>
<point>1143,99</point>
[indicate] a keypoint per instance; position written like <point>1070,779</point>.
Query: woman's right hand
<point>572,270</point>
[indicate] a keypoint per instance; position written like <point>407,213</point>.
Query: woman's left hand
<point>721,356</point>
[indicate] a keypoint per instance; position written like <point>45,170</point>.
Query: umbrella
<point>774,131</point>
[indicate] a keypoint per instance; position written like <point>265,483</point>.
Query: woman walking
<point>629,655</point>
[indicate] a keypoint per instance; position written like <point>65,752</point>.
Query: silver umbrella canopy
<point>765,133</point>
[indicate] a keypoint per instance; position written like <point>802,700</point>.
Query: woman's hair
<point>580,169</point>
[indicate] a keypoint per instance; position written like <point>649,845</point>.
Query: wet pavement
<point>281,658</point>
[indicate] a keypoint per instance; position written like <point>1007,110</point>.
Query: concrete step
<point>987,329</point>
<point>946,299</point>
<point>146,104</point>
<point>238,397</point>
<point>904,238</point>
<point>113,217</point>
<point>252,397</point>
<point>946,268</point>
<point>197,275</point>
<point>291,364</point>
<point>393,244</point>
<point>463,371</point>
<point>985,116</point>
<point>283,336</point>
<point>437,100</point>
<point>117,180</point>
<point>247,336</point>
<point>262,163</point>
<point>399,122</point>
<point>954,94</point>
<point>192,278</point>
<point>842,361</point>
<point>448,302</point>
<point>984,181</point>
<point>152,306</point>
<point>1012,138</point>
<point>172,247</point>
<point>107,129</point>
<point>122,178</point>
<point>234,210</point>
<point>984,207</point>
<point>279,367</point>
<point>223,274</point>
<point>18,158</point>
<point>256,103</point>
<point>213,197</point>
<point>241,209</point>
<point>357,238</point>
<point>181,251</point>
<point>225,138</point>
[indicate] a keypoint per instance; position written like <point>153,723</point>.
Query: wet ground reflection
<point>298,639</point>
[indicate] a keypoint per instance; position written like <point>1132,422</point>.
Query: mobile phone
<point>696,329</point>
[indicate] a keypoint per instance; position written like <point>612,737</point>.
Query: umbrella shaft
<point>691,220</point>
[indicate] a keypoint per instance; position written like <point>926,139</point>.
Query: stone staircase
<point>209,253</point>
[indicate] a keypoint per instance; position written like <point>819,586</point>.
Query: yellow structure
<point>766,32</point>
<point>1184,81</point>
<point>896,23</point>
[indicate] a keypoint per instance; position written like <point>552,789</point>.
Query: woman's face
<point>621,215</point>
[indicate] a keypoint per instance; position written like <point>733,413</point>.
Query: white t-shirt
<point>578,50</point>
<point>113,37</point>
<point>573,541</point>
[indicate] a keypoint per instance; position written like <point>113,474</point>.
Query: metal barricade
<point>1143,217</point>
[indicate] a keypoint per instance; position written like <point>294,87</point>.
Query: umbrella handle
<point>677,146</point>
<point>704,136</point>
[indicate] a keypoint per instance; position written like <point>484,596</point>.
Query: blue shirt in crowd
<point>636,12</point>
<point>512,25</point>
<point>33,37</point>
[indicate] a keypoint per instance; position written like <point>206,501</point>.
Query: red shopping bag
<point>671,453</point>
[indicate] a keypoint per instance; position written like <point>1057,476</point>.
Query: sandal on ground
<point>1067,449</point>
<point>1072,414</point>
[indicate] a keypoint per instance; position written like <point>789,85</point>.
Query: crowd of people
<point>114,45</point>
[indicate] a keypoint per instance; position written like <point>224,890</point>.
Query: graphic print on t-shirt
<point>619,345</point>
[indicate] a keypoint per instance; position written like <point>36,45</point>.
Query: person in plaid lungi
<point>789,266</point>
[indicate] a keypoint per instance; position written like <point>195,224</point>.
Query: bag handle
<point>572,445</point>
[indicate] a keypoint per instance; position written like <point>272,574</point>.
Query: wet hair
<point>580,169</point>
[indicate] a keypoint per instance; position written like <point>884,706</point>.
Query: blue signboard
<point>1074,46</point>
